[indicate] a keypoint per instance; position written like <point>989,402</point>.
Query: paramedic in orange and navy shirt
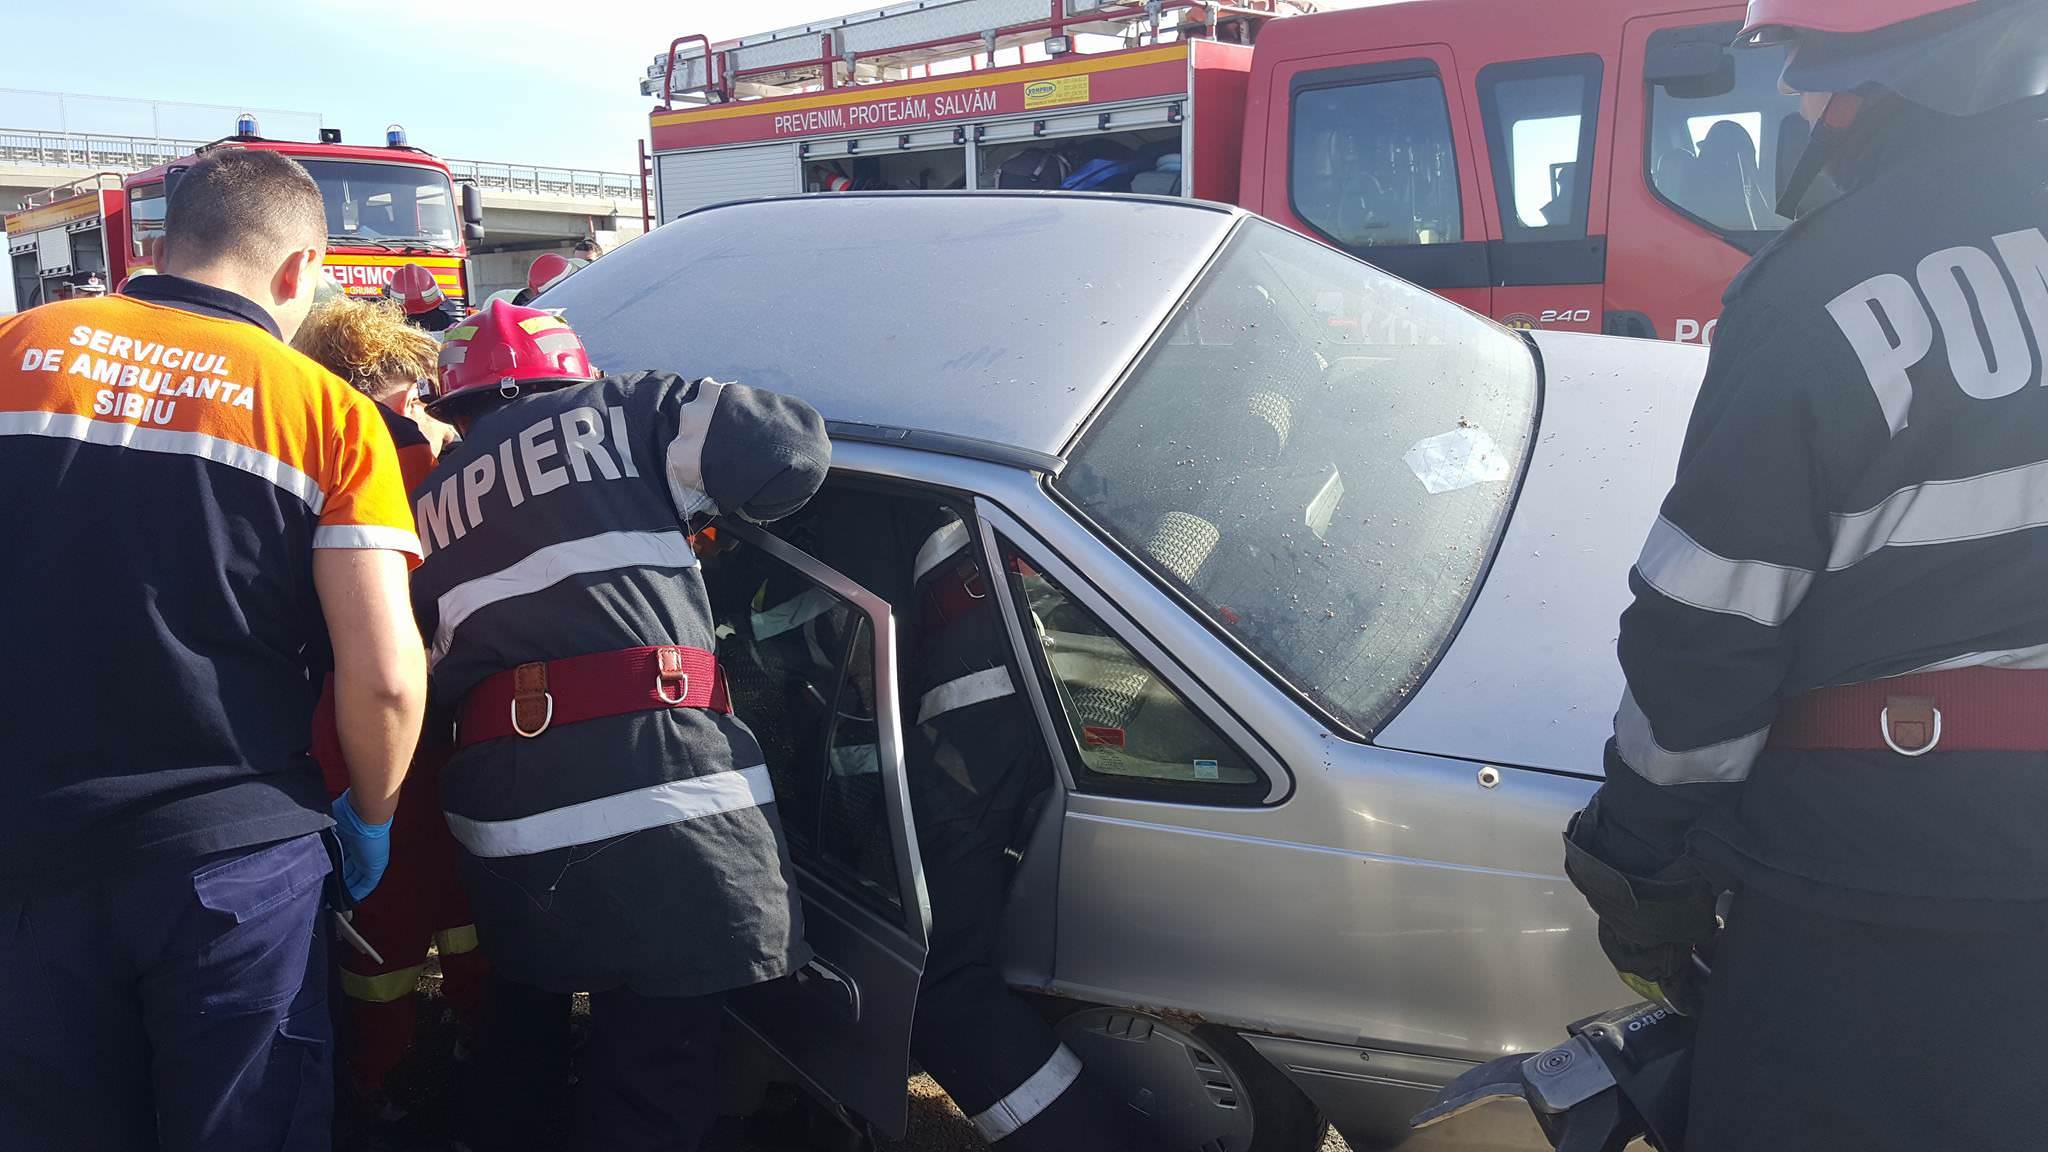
<point>198,522</point>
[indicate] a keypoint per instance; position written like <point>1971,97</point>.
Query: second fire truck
<point>1606,168</point>
<point>387,206</point>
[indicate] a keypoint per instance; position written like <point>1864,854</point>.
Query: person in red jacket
<point>373,346</point>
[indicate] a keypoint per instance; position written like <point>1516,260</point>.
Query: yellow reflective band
<point>456,941</point>
<point>380,989</point>
<point>464,332</point>
<point>535,325</point>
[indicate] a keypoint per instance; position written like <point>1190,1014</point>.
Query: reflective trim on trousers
<point>382,988</point>
<point>620,815</point>
<point>455,941</point>
<point>1031,1097</point>
<point>973,688</point>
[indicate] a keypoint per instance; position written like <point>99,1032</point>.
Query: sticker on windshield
<point>1206,770</point>
<point>1460,458</point>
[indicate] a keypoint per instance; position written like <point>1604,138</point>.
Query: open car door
<point>811,661</point>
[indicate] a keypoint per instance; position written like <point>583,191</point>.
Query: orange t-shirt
<point>168,476</point>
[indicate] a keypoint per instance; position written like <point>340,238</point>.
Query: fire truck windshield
<point>376,204</point>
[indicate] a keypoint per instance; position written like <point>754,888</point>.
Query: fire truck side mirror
<point>472,214</point>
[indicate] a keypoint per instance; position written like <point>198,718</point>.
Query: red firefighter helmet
<point>505,348</point>
<point>549,269</point>
<point>1769,21</point>
<point>415,289</point>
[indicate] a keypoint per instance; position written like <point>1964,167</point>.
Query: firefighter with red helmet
<point>617,827</point>
<point>1820,828</point>
<point>414,289</point>
<point>547,270</point>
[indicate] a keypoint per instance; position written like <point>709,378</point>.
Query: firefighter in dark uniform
<point>976,763</point>
<point>617,828</point>
<point>1834,733</point>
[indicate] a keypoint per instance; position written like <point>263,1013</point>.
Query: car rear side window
<point>1722,135</point>
<point>1321,458</point>
<point>1372,164</point>
<point>1133,733</point>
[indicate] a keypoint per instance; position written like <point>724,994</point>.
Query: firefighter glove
<point>365,848</point>
<point>1654,929</point>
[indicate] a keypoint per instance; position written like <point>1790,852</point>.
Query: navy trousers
<point>650,1083</point>
<point>170,1008</point>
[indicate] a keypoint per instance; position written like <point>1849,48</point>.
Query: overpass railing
<point>100,152</point>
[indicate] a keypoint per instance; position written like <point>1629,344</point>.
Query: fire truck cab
<point>1601,166</point>
<point>1604,166</point>
<point>387,206</point>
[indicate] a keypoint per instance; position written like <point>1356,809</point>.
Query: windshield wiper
<point>391,245</point>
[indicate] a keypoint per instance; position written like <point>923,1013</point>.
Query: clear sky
<point>532,81</point>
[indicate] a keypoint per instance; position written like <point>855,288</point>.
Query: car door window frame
<point>1461,263</point>
<point>994,526</point>
<point>880,619</point>
<point>1528,255</point>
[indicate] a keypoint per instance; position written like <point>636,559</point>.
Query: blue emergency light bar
<point>245,124</point>
<point>394,136</point>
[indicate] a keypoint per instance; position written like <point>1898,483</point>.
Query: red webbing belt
<point>1964,710</point>
<point>530,699</point>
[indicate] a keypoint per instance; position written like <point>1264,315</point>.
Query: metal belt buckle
<point>668,670</point>
<point>1919,718</point>
<point>530,688</point>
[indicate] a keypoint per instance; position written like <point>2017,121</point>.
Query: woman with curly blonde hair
<point>369,344</point>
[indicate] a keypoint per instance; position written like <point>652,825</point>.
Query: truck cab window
<point>145,218</point>
<point>1721,133</point>
<point>1540,123</point>
<point>1372,164</point>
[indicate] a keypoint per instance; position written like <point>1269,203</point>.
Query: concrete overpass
<point>528,209</point>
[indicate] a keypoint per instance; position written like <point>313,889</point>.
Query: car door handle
<point>834,989</point>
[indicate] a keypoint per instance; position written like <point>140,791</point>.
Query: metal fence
<point>94,152</point>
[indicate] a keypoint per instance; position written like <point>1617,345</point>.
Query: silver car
<point>1312,578</point>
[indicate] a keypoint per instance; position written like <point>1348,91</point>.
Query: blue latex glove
<point>365,848</point>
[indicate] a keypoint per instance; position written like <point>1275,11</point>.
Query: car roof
<point>996,317</point>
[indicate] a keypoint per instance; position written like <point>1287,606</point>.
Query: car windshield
<point>367,201</point>
<point>1321,457</point>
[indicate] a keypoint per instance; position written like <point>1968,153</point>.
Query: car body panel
<point>853,307</point>
<point>1531,678</point>
<point>1399,901</point>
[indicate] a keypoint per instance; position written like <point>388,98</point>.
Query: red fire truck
<point>1606,168</point>
<point>386,207</point>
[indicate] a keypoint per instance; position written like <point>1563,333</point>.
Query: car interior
<point>800,662</point>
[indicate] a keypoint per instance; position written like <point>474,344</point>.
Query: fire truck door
<point>1546,158</point>
<point>1702,136</point>
<point>1373,158</point>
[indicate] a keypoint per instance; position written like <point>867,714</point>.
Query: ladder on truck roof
<point>880,45</point>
